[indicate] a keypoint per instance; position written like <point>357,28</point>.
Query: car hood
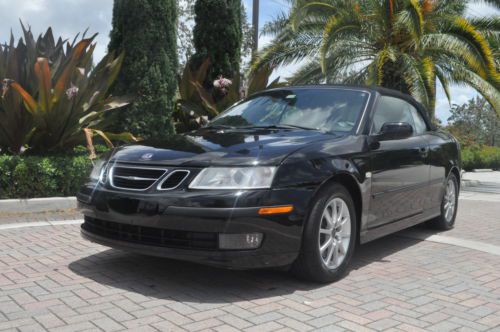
<point>220,148</point>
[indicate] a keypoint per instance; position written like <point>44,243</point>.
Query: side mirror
<point>395,130</point>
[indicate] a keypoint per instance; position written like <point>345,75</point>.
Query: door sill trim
<point>396,220</point>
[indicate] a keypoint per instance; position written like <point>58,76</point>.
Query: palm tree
<point>406,45</point>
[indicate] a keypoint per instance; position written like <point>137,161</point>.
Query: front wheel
<point>449,205</point>
<point>329,237</point>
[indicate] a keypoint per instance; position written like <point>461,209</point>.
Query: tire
<point>311,264</point>
<point>446,220</point>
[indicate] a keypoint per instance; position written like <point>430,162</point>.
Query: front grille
<point>135,177</point>
<point>151,235</point>
<point>174,179</point>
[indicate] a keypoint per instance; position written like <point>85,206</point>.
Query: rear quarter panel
<point>444,155</point>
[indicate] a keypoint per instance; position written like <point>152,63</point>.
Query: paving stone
<point>294,324</point>
<point>118,314</point>
<point>165,326</point>
<point>383,324</point>
<point>269,326</point>
<point>50,278</point>
<point>235,321</point>
<point>107,324</point>
<point>49,321</point>
<point>264,318</point>
<point>444,327</point>
<point>327,320</point>
<point>176,318</point>
<point>353,326</point>
<point>203,325</point>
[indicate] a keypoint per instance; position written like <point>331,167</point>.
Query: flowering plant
<point>223,84</point>
<point>72,91</point>
<point>197,104</point>
<point>52,98</point>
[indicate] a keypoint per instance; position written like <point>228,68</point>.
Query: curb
<point>484,187</point>
<point>37,204</point>
<point>469,183</point>
<point>454,241</point>
<point>41,223</point>
<point>477,183</point>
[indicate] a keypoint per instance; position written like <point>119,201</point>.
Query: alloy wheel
<point>334,233</point>
<point>449,200</point>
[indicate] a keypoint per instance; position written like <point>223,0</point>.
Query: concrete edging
<point>37,204</point>
<point>41,223</point>
<point>458,242</point>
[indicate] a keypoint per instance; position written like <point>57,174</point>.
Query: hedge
<point>44,176</point>
<point>481,157</point>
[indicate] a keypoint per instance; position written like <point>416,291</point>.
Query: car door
<point>437,175</point>
<point>400,168</point>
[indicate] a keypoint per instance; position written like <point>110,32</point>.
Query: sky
<point>68,17</point>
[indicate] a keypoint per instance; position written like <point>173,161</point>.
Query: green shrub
<point>217,35</point>
<point>481,157</point>
<point>35,176</point>
<point>145,30</point>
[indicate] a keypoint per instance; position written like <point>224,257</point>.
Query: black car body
<point>395,178</point>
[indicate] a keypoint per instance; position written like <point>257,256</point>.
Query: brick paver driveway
<point>50,278</point>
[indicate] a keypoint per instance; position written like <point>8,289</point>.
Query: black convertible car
<point>290,177</point>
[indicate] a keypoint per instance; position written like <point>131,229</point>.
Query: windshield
<point>331,110</point>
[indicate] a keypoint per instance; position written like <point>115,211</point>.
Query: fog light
<point>240,241</point>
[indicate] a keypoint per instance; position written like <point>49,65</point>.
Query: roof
<point>379,89</point>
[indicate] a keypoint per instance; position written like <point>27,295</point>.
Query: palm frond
<point>335,28</point>
<point>428,72</point>
<point>458,74</point>
<point>407,45</point>
<point>478,44</point>
<point>310,8</point>
<point>415,79</point>
<point>385,55</point>
<point>460,47</point>
<point>276,26</point>
<point>307,74</point>
<point>444,83</point>
<point>417,18</point>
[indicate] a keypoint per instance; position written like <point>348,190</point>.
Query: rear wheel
<point>449,205</point>
<point>329,237</point>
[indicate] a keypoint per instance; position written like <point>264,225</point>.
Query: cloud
<point>69,17</point>
<point>481,9</point>
<point>459,95</point>
<point>66,17</point>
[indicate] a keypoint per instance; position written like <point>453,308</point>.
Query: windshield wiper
<point>218,126</point>
<point>280,126</point>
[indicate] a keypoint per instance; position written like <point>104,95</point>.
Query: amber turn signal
<point>276,209</point>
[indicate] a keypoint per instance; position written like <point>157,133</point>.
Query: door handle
<point>424,151</point>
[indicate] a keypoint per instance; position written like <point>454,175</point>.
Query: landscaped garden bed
<point>35,176</point>
<point>480,158</point>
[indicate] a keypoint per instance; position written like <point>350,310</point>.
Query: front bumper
<point>240,260</point>
<point>185,214</point>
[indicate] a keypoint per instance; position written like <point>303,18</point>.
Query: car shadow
<point>184,281</point>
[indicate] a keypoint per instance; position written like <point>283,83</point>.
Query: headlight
<point>98,172</point>
<point>234,178</point>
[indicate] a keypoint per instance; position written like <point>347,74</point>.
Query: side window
<point>420,125</point>
<point>390,109</point>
